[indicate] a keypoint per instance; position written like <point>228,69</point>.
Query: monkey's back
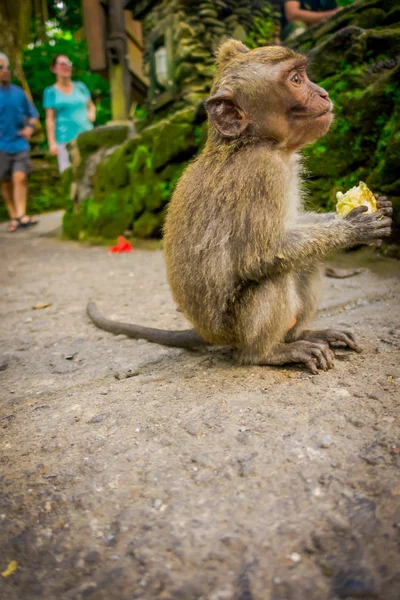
<point>218,220</point>
<point>199,266</point>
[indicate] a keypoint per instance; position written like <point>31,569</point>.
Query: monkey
<point>243,257</point>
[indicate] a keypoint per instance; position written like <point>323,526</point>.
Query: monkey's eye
<point>296,79</point>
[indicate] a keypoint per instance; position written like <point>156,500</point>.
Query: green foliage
<point>68,14</point>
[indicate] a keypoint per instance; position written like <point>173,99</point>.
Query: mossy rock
<point>383,43</point>
<point>146,190</point>
<point>370,18</point>
<point>142,157</point>
<point>393,16</point>
<point>117,169</point>
<point>148,225</point>
<point>102,137</point>
<point>165,140</point>
<point>72,225</point>
<point>345,45</point>
<point>110,217</point>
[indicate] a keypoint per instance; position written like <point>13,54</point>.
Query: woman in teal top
<point>69,110</point>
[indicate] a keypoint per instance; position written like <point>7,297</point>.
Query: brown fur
<point>242,257</point>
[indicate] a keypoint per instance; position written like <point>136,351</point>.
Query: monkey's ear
<point>228,118</point>
<point>229,50</point>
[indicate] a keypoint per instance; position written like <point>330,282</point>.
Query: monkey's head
<point>266,93</point>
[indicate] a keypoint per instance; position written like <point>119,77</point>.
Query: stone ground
<point>132,471</point>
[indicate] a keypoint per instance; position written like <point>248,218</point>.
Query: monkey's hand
<point>367,228</point>
<point>384,204</point>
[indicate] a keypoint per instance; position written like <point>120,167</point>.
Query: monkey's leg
<point>331,337</point>
<point>308,289</point>
<point>263,318</point>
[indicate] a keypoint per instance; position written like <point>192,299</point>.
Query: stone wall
<point>197,28</point>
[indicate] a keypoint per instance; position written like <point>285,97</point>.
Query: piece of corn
<point>359,195</point>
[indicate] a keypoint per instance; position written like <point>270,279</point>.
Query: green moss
<point>101,137</point>
<point>72,225</point>
<point>110,217</point>
<point>117,169</point>
<point>142,157</point>
<point>373,17</point>
<point>148,225</point>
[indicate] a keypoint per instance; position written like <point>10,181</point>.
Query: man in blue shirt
<point>18,119</point>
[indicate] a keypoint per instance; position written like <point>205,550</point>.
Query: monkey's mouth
<point>327,111</point>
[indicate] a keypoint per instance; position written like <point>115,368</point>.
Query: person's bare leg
<point>20,189</point>
<point>7,193</point>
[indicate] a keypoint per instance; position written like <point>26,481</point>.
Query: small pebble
<point>92,556</point>
<point>295,557</point>
<point>192,429</point>
<point>97,419</point>
<point>326,441</point>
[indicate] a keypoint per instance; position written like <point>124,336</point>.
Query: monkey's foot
<point>315,355</point>
<point>332,337</point>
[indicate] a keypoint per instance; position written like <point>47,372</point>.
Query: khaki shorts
<point>19,162</point>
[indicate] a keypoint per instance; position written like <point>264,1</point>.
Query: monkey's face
<point>266,93</point>
<point>306,106</point>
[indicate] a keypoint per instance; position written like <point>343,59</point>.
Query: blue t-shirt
<point>71,111</point>
<point>15,110</point>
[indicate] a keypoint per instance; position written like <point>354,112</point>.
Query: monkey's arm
<point>311,217</point>
<point>307,243</point>
<point>312,242</point>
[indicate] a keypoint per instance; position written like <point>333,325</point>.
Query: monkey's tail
<point>187,338</point>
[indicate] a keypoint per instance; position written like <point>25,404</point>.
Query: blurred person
<point>69,110</point>
<point>18,118</point>
<point>297,15</point>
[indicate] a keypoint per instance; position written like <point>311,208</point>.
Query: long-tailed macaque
<point>243,258</point>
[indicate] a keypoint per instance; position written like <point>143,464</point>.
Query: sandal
<point>29,222</point>
<point>13,226</point>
